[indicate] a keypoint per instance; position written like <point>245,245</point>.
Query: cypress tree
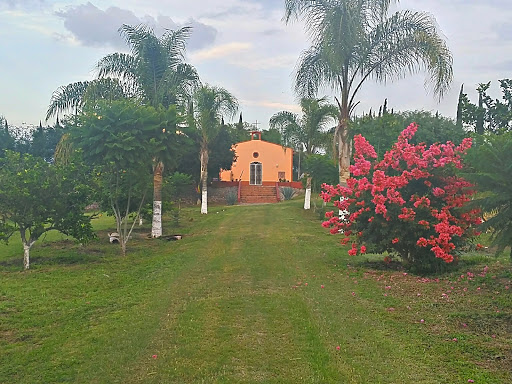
<point>459,107</point>
<point>240,125</point>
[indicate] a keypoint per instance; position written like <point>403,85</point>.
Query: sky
<point>240,45</point>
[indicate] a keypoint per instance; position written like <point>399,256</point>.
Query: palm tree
<point>355,40</point>
<point>209,106</point>
<point>309,131</point>
<point>154,72</point>
<point>491,160</point>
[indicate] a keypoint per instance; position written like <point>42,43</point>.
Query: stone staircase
<point>252,194</point>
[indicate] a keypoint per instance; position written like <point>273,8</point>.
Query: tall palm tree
<point>308,131</point>
<point>209,106</point>
<point>356,40</point>
<point>154,72</point>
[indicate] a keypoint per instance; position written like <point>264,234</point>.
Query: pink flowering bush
<point>411,203</point>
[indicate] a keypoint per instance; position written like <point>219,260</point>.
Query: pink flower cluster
<point>412,184</point>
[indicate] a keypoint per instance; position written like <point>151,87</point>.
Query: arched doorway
<point>255,174</point>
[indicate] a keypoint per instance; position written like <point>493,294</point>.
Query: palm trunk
<point>342,134</point>
<point>344,150</point>
<point>156,227</point>
<point>307,196</point>
<point>204,179</point>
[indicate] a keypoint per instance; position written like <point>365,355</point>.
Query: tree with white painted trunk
<point>210,104</point>
<point>120,140</point>
<point>354,41</point>
<point>307,195</point>
<point>154,73</point>
<point>36,197</point>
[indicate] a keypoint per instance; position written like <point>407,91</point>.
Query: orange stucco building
<point>259,162</point>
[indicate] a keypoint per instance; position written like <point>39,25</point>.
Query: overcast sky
<point>241,45</point>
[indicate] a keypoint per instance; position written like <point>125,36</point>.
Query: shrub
<point>491,161</point>
<point>232,197</point>
<point>410,204</point>
<point>287,193</point>
<point>322,170</point>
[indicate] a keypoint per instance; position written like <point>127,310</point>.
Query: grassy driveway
<point>252,294</point>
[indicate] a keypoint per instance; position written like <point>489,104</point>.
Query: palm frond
<point>175,42</point>
<point>67,98</point>
<point>136,36</point>
<point>404,44</point>
<point>210,104</point>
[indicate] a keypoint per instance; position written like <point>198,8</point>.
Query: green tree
<point>491,160</point>
<point>154,73</point>
<point>44,142</point>
<point>306,132</point>
<point>119,140</point>
<point>489,115</point>
<point>272,135</point>
<point>353,41</point>
<point>322,170</point>
<point>210,105</point>
<point>6,139</point>
<point>382,131</point>
<point>36,197</point>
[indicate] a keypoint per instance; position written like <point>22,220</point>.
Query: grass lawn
<point>252,294</point>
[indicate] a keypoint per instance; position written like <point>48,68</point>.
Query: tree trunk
<point>27,244</point>
<point>307,196</point>
<point>344,150</point>
<point>204,179</point>
<point>344,144</point>
<point>156,227</point>
<point>342,134</point>
<point>123,242</point>
<point>26,256</point>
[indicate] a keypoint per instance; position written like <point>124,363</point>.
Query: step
<point>252,194</point>
<point>254,200</point>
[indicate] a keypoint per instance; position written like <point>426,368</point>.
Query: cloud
<point>202,35</point>
<point>221,51</point>
<point>264,63</point>
<point>273,32</point>
<point>273,105</point>
<point>92,26</point>
<point>243,55</point>
<point>25,4</point>
<point>504,31</point>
